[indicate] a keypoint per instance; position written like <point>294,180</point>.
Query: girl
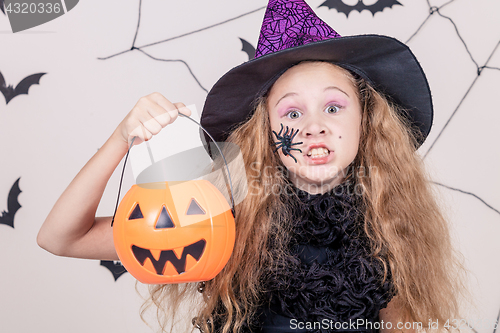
<point>339,230</point>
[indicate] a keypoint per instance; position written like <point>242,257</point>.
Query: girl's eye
<point>332,109</point>
<point>293,114</point>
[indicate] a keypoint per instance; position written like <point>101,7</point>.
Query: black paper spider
<point>285,142</point>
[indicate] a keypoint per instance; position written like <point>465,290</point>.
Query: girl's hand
<point>148,117</point>
<point>71,229</point>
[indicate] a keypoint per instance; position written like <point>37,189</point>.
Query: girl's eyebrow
<point>336,88</point>
<point>286,95</point>
<point>327,88</point>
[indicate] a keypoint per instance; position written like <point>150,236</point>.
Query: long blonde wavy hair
<point>402,221</point>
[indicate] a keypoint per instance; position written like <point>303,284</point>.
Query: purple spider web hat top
<point>291,33</point>
<point>288,24</point>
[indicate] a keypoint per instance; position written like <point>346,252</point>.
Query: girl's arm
<point>71,228</point>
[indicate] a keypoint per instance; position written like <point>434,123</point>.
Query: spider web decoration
<point>141,48</point>
<point>287,24</point>
<point>433,10</point>
<point>480,69</point>
<point>437,10</point>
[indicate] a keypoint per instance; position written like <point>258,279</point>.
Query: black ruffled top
<point>329,276</point>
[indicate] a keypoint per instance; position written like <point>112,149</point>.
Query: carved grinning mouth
<point>195,250</point>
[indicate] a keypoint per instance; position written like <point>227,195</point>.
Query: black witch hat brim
<point>388,65</point>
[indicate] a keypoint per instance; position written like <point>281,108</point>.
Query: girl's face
<point>320,101</point>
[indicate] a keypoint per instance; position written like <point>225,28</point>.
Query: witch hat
<point>291,33</point>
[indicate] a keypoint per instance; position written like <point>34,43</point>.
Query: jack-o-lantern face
<point>173,232</point>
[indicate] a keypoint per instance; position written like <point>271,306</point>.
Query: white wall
<point>48,135</point>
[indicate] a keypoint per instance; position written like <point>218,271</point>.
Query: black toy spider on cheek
<point>285,142</point>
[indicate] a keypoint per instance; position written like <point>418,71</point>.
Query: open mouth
<point>320,152</point>
<point>195,250</point>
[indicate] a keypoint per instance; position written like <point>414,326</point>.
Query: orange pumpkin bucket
<point>174,231</point>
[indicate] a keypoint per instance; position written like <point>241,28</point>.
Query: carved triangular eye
<point>136,213</point>
<point>164,221</point>
<point>194,208</point>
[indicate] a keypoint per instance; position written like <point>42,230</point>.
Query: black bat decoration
<point>248,48</point>
<point>22,88</point>
<point>116,268</point>
<point>7,217</point>
<point>341,7</point>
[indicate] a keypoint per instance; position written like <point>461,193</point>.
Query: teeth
<point>318,152</point>
<point>178,251</point>
<point>169,269</point>
<point>190,262</point>
<point>156,254</point>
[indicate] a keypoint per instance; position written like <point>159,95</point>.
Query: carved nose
<point>164,220</point>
